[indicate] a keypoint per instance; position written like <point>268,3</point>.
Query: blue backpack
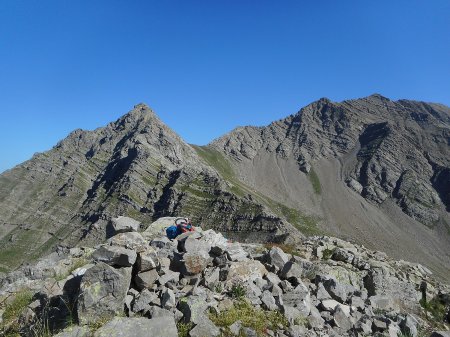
<point>172,232</point>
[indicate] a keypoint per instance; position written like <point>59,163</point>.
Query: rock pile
<point>201,284</point>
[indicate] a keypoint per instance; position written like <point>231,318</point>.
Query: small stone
<point>236,327</point>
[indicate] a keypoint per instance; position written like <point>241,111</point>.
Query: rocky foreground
<point>201,284</point>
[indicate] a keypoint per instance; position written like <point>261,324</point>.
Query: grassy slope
<point>304,223</point>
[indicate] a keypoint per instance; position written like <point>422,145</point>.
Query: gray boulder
<point>299,298</point>
<point>291,271</point>
<point>268,300</point>
<point>147,260</point>
<point>146,279</point>
<point>205,328</point>
<point>102,292</point>
<point>195,262</point>
<point>138,327</point>
<point>124,224</point>
<point>115,256</point>
<point>193,308</point>
<point>277,258</point>
<point>129,240</point>
<point>168,299</point>
<point>144,301</point>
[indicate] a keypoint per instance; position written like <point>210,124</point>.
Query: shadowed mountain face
<point>371,169</point>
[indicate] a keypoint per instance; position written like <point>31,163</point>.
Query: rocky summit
<point>140,283</point>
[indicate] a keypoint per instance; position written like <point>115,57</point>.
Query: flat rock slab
<point>138,327</point>
<point>115,256</point>
<point>130,240</point>
<point>124,224</point>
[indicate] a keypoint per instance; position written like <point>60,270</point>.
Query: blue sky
<point>206,67</point>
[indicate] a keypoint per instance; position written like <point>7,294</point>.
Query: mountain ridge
<point>259,182</point>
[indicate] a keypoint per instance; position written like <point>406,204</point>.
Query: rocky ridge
<point>371,170</point>
<point>202,284</point>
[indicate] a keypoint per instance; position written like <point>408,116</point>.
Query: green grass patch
<point>287,248</point>
<point>315,182</point>
<point>435,310</point>
<point>184,328</point>
<point>251,317</point>
<point>10,325</point>
<point>327,254</point>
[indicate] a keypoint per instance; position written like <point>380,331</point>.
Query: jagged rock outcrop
<point>324,286</point>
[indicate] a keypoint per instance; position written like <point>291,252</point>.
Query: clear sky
<point>206,67</point>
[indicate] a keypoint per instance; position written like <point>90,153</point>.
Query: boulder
<point>115,256</point>
<point>408,326</point>
<point>329,305</point>
<point>299,298</point>
<point>146,279</point>
<point>158,228</point>
<point>205,328</point>
<point>144,301</point>
<point>314,319</point>
<point>138,327</point>
<point>193,308</point>
<point>245,271</point>
<point>102,292</point>
<point>291,271</point>
<point>168,276</point>
<point>124,224</point>
<point>195,262</point>
<point>168,299</point>
<point>129,240</point>
<point>341,319</point>
<point>147,260</point>
<point>338,291</point>
<point>269,301</point>
<point>235,252</point>
<point>277,258</point>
